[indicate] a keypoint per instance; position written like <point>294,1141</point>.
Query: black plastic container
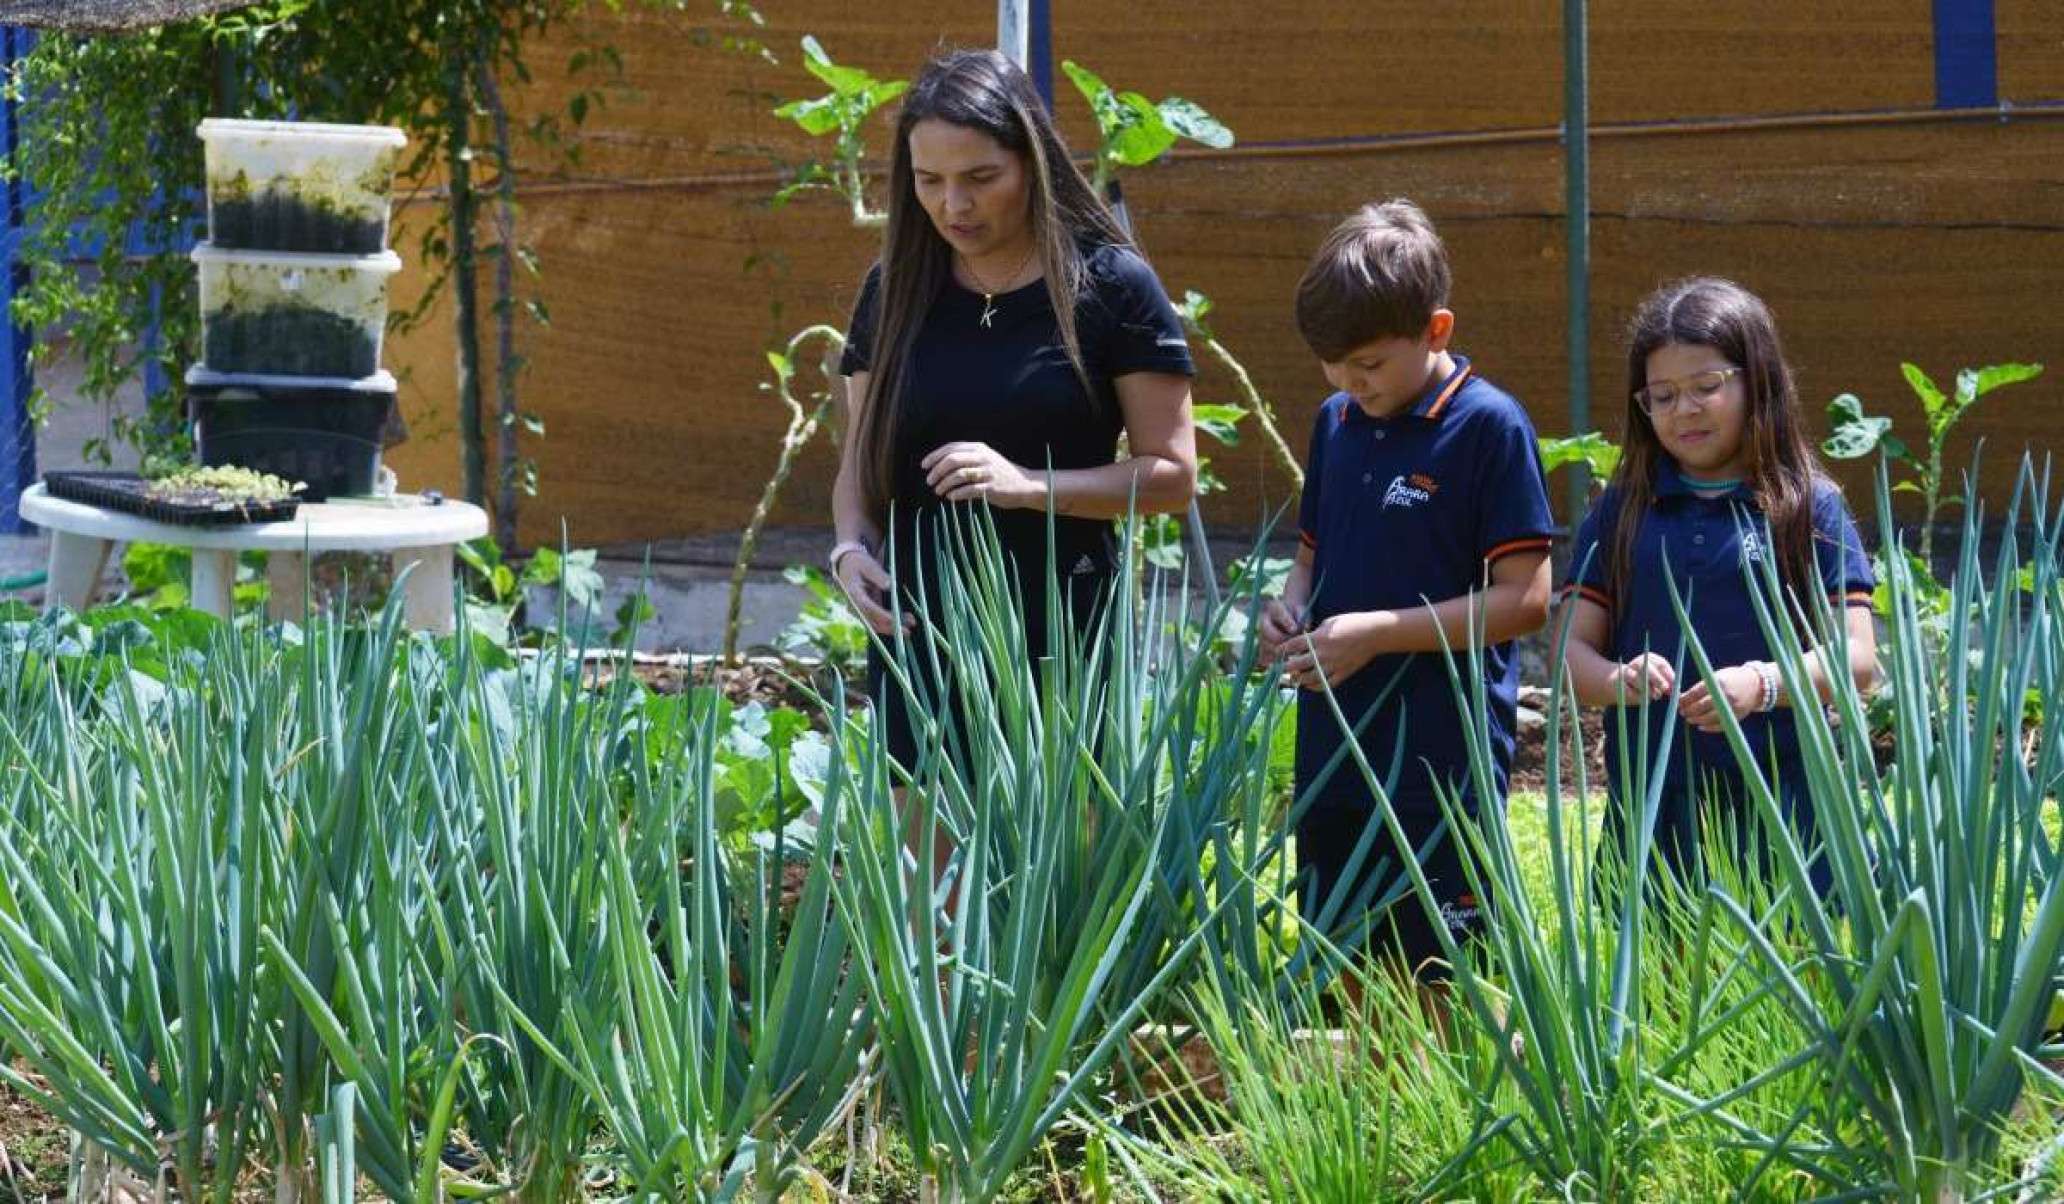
<point>129,493</point>
<point>323,432</point>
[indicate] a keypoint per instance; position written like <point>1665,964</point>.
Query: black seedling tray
<point>125,491</point>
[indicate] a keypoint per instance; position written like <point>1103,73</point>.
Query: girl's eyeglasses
<point>1665,396</point>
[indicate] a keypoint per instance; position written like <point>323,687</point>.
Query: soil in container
<point>290,340</point>
<point>281,220</point>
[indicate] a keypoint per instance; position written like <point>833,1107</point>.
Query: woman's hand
<point>974,472</point>
<point>1646,677</point>
<point>867,587</point>
<point>1741,691</point>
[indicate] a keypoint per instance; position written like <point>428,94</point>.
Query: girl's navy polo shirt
<point>1400,512</point>
<point>1707,541</point>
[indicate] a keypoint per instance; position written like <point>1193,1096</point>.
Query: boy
<point>1424,512</point>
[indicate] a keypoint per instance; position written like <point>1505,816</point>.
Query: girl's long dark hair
<point>1706,311</point>
<point>978,90</point>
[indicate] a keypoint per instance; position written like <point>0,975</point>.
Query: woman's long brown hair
<point>978,90</point>
<point>1706,311</point>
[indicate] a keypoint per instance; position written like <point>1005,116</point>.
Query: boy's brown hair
<point>1379,275</point>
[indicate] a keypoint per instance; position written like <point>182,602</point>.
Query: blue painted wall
<point>17,432</point>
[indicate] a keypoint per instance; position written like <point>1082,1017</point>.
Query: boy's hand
<point>1741,691</point>
<point>1333,651</point>
<point>1645,677</point>
<point>1279,624</point>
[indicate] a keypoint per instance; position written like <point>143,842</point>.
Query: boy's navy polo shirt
<point>1706,540</point>
<point>1400,512</point>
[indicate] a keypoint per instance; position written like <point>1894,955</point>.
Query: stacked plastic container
<point>294,280</point>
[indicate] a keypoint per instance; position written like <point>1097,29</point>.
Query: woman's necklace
<point>989,294</point>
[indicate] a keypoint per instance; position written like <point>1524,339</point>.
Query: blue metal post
<point>1966,55</point>
<point>17,429</point>
<point>1039,62</point>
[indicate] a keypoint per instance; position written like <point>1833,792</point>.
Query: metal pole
<point>1576,141</point>
<point>1039,48</point>
<point>1013,30</point>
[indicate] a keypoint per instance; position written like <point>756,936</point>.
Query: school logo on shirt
<point>1752,546</point>
<point>1460,912</point>
<point>1409,491</point>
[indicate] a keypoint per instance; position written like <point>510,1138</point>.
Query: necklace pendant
<point>988,310</point>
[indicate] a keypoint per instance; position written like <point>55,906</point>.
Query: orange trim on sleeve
<point>1588,593</point>
<point>1306,538</point>
<point>1857,597</point>
<point>1531,543</point>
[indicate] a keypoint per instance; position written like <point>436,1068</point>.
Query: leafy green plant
<point>843,112</point>
<point>1857,434</point>
<point>1314,1095</point>
<point>1007,970</point>
<point>1599,456</point>
<point>159,577</point>
<point>1136,131</point>
<point>827,626</point>
<point>1935,957</point>
<point>494,589</point>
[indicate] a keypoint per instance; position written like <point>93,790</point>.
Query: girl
<point>1007,336</point>
<point>1716,475</point>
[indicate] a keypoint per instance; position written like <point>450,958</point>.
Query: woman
<point>1008,335</point>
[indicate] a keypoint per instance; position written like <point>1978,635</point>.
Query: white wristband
<point>840,549</point>
<point>1766,672</point>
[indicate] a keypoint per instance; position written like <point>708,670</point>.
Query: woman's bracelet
<point>1766,672</point>
<point>838,550</point>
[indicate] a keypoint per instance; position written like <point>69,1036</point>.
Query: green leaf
<point>1161,538</point>
<point>1855,434</point>
<point>1093,89</point>
<point>817,117</point>
<point>545,567</point>
<point>1274,572</point>
<point>1590,449</point>
<point>1142,135</point>
<point>1221,422</point>
<point>882,92</point>
<point>1932,400</point>
<point>1188,118</point>
<point>1986,379</point>
<point>844,81</point>
<point>635,611</point>
<point>578,577</point>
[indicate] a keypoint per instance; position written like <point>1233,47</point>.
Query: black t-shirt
<point>1011,385</point>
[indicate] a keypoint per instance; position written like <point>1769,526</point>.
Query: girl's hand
<point>1741,691</point>
<point>867,588</point>
<point>1279,624</point>
<point>974,472</point>
<point>1646,677</point>
<point>1332,651</point>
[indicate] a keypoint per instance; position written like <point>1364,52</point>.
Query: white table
<point>418,535</point>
